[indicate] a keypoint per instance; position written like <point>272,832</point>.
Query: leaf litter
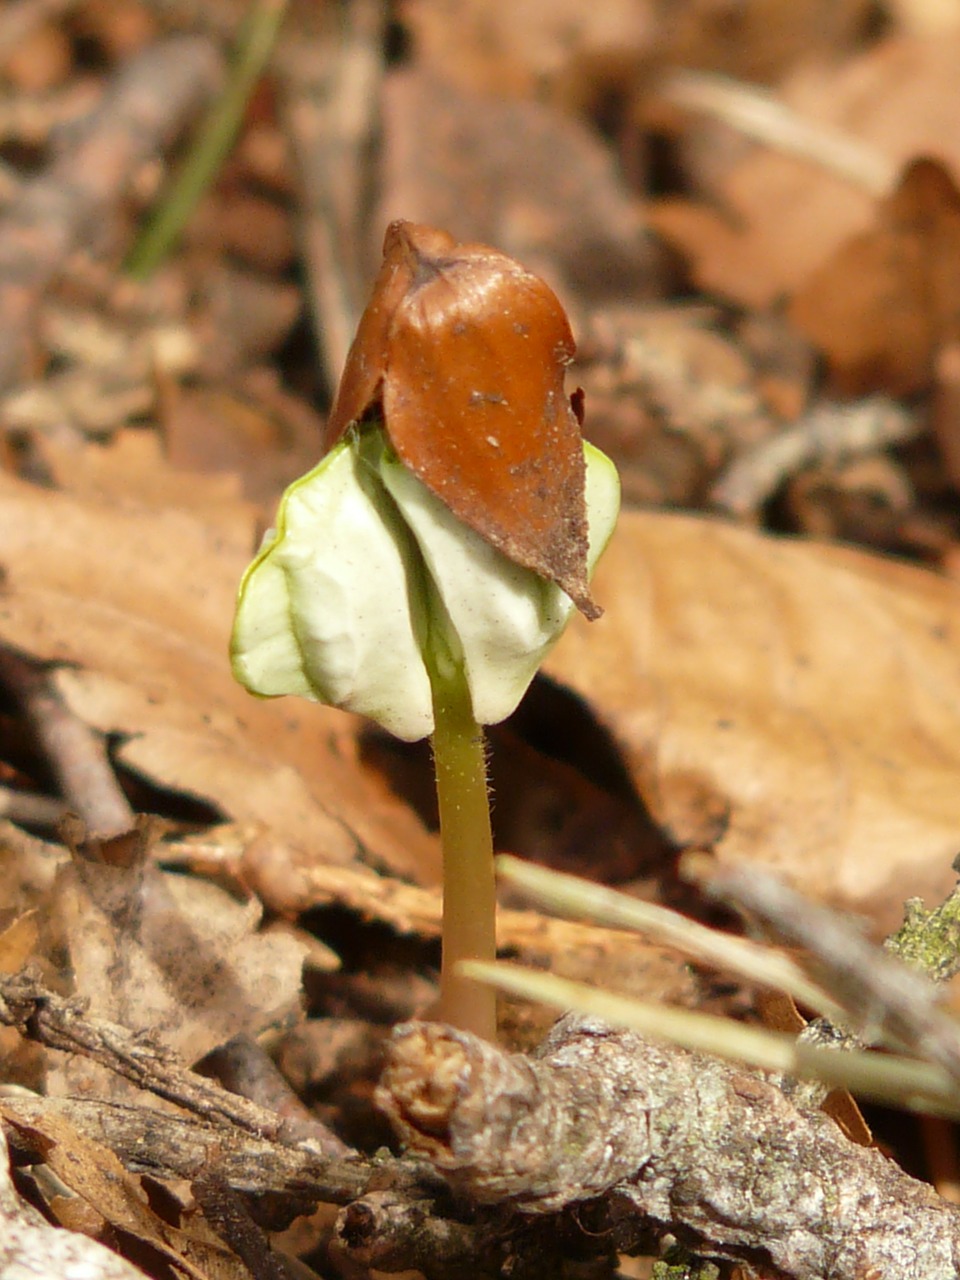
<point>786,704</point>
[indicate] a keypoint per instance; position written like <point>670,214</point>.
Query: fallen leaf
<point>778,1012</point>
<point>34,1246</point>
<point>259,436</point>
<point>771,218</point>
<point>18,941</point>
<point>621,960</point>
<point>758,40</point>
<point>791,704</point>
<point>174,956</point>
<point>525,48</point>
<point>137,606</point>
<point>888,299</point>
<point>130,471</point>
<point>114,1198</point>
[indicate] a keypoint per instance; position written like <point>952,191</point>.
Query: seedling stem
<point>469,891</point>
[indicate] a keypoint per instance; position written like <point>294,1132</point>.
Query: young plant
<point>420,573</point>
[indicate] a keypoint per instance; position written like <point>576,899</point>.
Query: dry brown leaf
<point>28,866</point>
<point>215,449</point>
<point>792,704</point>
<point>576,53</point>
<point>782,217</point>
<point>138,605</point>
<point>168,954</point>
<point>264,441</point>
<point>779,1012</point>
<point>113,1199</point>
<point>130,471</point>
<point>888,299</point>
<point>758,39</point>
<point>18,941</point>
<point>32,1246</point>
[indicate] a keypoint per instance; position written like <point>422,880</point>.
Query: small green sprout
<point>421,579</point>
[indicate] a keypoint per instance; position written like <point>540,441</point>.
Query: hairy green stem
<point>469,890</point>
<point>255,44</point>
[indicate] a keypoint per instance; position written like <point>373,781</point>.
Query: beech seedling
<point>420,573</point>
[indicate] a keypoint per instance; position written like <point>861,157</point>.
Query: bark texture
<point>713,1153</point>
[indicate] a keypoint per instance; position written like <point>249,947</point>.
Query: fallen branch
<point>717,1155</point>
<point>238,1142</point>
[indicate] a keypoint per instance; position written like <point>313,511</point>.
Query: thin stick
<point>469,890</point>
<point>759,114</point>
<point>77,754</point>
<point>46,1018</point>
<point>30,809</point>
<point>827,432</point>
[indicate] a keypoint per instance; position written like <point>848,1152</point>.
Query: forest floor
<point>217,909</point>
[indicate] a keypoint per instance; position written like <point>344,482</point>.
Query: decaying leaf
<point>33,1246</point>
<point>613,957</point>
<point>164,954</point>
<point>773,218</point>
<point>792,704</point>
<point>486,168</point>
<point>759,39</point>
<point>104,1199</point>
<point>137,604</point>
<point>528,49</point>
<point>888,299</point>
<point>132,470</point>
<point>18,941</point>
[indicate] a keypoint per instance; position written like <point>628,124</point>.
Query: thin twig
<point>30,808</point>
<point>760,115</point>
<point>61,1023</point>
<point>230,1218</point>
<point>76,753</point>
<point>827,432</point>
<point>243,1067</point>
<point>390,1231</point>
